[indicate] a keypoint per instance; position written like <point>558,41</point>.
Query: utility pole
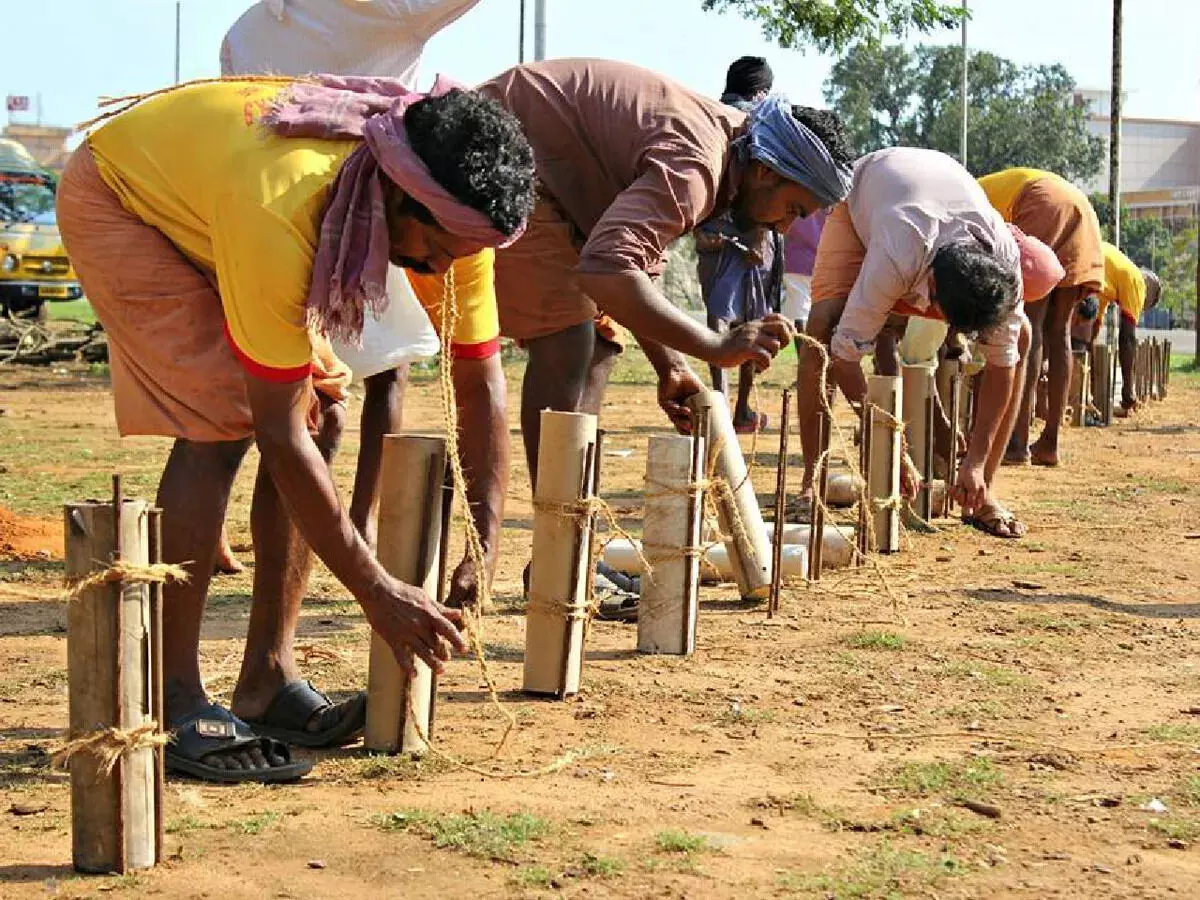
<point>521,34</point>
<point>539,29</point>
<point>177,22</point>
<point>962,143</point>
<point>1114,131</point>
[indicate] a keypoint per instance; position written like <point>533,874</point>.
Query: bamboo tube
<point>412,514</point>
<point>885,393</point>
<point>111,684</point>
<point>737,512</point>
<point>781,469</point>
<point>668,607</point>
<point>837,547</point>
<point>919,391</point>
<point>1102,386</point>
<point>558,599</point>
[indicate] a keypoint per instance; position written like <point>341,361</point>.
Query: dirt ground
<point>1054,680</point>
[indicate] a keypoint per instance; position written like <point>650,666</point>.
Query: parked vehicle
<point>34,266</point>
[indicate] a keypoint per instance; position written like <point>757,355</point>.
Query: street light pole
<point>177,18</point>
<point>521,35</point>
<point>539,30</point>
<point>962,143</point>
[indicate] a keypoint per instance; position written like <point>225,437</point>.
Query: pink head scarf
<point>350,269</point>
<point>1040,268</point>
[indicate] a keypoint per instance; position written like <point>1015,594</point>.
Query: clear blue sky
<point>87,48</point>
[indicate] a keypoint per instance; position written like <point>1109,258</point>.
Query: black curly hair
<point>974,289</point>
<point>828,126</point>
<point>477,151</point>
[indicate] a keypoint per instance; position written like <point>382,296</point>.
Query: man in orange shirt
<point>223,231</point>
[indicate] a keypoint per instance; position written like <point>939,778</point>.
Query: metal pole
<point>962,143</point>
<point>178,4</point>
<point>539,29</point>
<point>521,34</point>
<point>1114,133</point>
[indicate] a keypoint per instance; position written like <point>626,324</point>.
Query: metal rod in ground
<point>952,450</point>
<point>780,508</point>
<point>817,506</point>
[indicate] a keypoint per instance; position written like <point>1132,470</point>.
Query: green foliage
<point>676,840</point>
<point>923,779</point>
<point>595,865</point>
<point>876,640</point>
<point>882,871</point>
<point>1018,116</point>
<point>482,834</point>
<point>834,25</point>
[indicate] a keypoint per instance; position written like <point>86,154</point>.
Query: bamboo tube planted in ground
<point>737,506</point>
<point>116,796</point>
<point>1102,386</point>
<point>919,391</point>
<point>885,393</point>
<point>558,577</point>
<point>412,514</point>
<point>668,608</point>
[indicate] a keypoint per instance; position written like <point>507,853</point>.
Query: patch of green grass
<point>924,779</point>
<point>483,834</point>
<point>533,877</point>
<point>1173,732</point>
<point>881,871</point>
<point>745,715</point>
<point>255,823</point>
<point>1056,624</point>
<point>1175,829</point>
<point>1184,364</point>
<point>991,675</point>
<point>876,640</point>
<point>73,310</point>
<point>676,840</point>
<point>186,824</point>
<point>1188,791</point>
<point>596,865</point>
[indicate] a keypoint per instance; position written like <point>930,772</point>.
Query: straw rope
<point>108,745</point>
<point>126,573</point>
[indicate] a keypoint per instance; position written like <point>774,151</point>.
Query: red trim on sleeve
<point>267,373</point>
<point>1128,318</point>
<point>476,351</point>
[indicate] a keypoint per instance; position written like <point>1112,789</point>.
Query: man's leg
<point>720,380</point>
<point>604,359</point>
<point>1126,351</point>
<point>193,494</point>
<point>742,413</point>
<point>283,561</point>
<point>555,377</point>
<point>1057,347</point>
<point>382,413</point>
<point>1018,442</point>
<point>227,563</point>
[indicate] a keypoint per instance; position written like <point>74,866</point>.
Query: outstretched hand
<point>674,388</point>
<point>412,624</point>
<point>754,342</point>
<point>910,478</point>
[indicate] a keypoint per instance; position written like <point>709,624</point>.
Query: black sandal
<point>294,706</point>
<point>215,730</point>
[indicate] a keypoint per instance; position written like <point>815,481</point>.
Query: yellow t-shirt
<point>1003,188</point>
<point>1124,284</point>
<point>245,204</point>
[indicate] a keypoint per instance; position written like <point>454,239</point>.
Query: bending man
<point>917,237</point>
<point>210,225</point>
<point>627,162</point>
<point>1057,213</point>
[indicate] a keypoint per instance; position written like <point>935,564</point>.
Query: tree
<point>1018,115</point>
<point>834,25</point>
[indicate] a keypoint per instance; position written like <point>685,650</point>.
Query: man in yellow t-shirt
<point>1051,209</point>
<point>222,232</point>
<point>1134,290</point>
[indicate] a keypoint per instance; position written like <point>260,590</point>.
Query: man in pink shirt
<point>917,236</point>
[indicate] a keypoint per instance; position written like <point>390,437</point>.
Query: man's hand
<point>970,489</point>
<point>910,477</point>
<point>754,342</point>
<point>408,620</point>
<point>675,385</point>
<point>464,583</point>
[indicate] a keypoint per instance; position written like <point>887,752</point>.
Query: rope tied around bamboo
<point>109,745</point>
<point>126,574</point>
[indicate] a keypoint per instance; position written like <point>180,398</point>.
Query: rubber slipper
<point>989,524</point>
<point>214,730</point>
<point>293,707</point>
<point>617,608</point>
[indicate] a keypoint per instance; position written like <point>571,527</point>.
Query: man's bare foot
<point>227,563</point>
<point>1042,454</point>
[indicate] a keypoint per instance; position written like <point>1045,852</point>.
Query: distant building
<point>47,143</point>
<point>1160,161</point>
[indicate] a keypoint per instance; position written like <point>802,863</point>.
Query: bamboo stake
<point>820,485</point>
<point>780,508</point>
<point>885,394</point>
<point>412,516</point>
<point>919,393</point>
<point>866,431</point>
